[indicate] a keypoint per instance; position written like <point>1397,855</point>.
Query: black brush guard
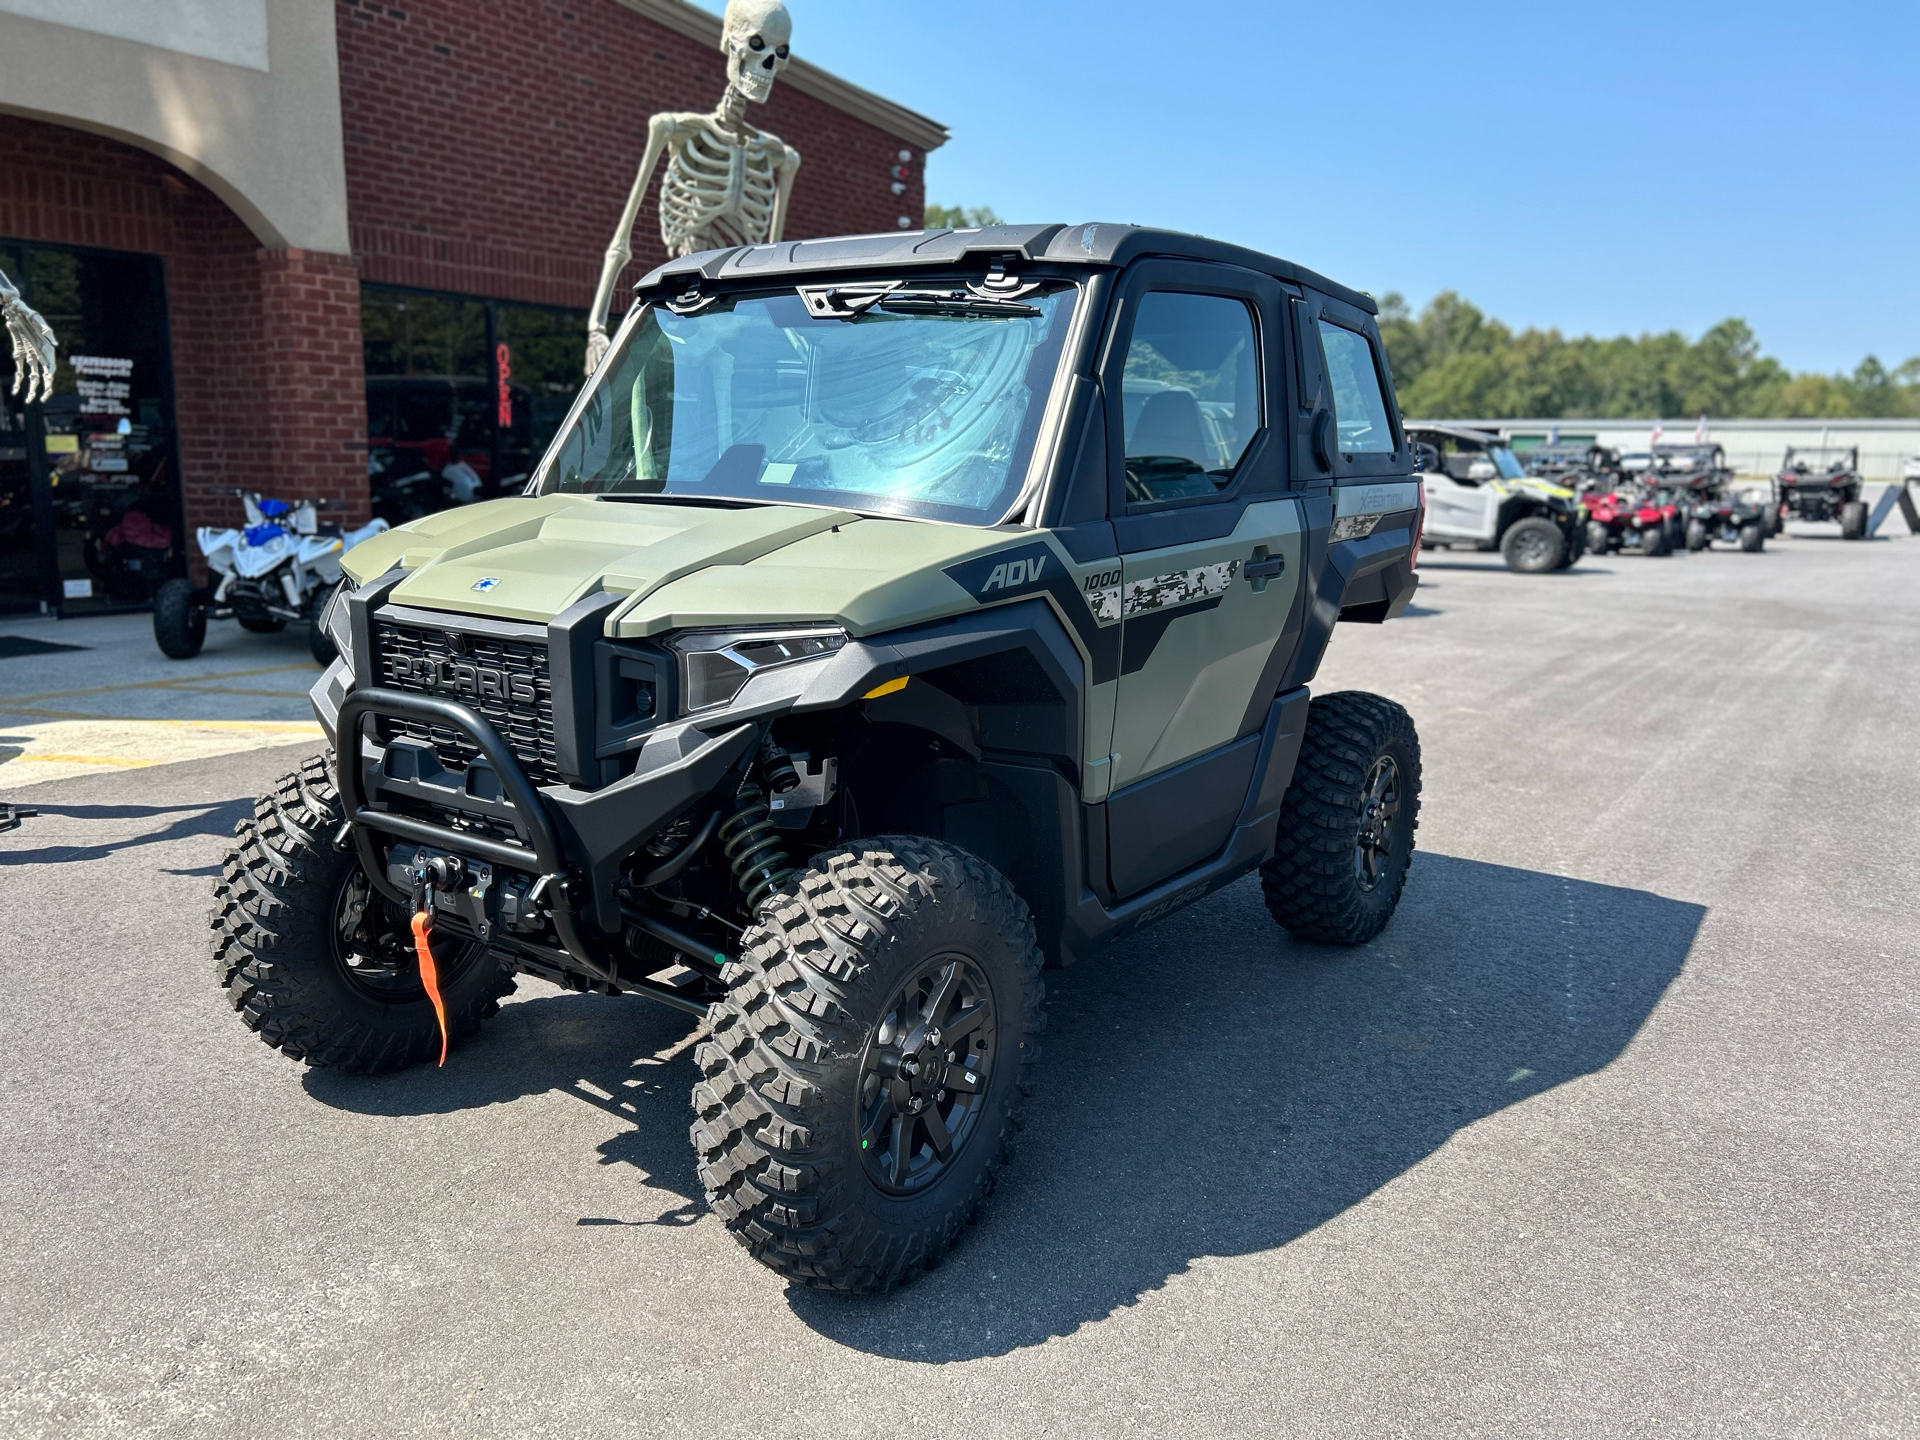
<point>542,856</point>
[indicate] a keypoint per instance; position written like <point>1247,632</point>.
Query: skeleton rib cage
<point>717,191</point>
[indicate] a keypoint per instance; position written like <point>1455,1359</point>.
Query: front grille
<point>505,680</point>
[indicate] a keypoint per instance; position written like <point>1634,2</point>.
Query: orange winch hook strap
<point>429,977</point>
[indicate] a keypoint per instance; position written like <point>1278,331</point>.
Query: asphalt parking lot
<point>1610,1133</point>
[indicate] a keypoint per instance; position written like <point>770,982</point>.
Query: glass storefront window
<point>463,395</point>
<point>539,350</point>
<point>89,491</point>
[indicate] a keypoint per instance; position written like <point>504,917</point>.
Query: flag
<point>1553,437</point>
<point>1659,429</point>
<point>1700,431</point>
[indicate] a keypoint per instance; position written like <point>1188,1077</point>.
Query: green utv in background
<point>892,614</point>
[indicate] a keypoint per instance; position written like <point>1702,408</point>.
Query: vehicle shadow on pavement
<point>624,1055</point>
<point>207,818</point>
<point>1206,1090</point>
<point>1493,564</point>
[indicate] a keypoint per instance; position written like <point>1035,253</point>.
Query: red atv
<point>1628,518</point>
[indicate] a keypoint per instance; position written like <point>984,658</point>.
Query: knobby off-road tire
<point>1697,536</point>
<point>179,626</point>
<point>791,1074</point>
<point>1599,538</point>
<point>279,952</point>
<point>1753,537</point>
<point>1853,520</point>
<point>1355,793</point>
<point>1653,541</point>
<point>1533,545</point>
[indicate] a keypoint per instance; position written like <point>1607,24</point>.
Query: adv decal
<point>1007,574</point>
<point>1035,569</point>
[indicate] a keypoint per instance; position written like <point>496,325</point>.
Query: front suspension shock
<point>753,849</point>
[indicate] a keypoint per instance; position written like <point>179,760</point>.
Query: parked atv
<point>1824,484</point>
<point>857,646</point>
<point>1481,497</point>
<point>1692,484</point>
<point>1576,467</point>
<point>281,567</point>
<point>1628,518</point>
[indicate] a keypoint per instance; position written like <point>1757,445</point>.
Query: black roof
<point>1489,438</point>
<point>1100,245</point>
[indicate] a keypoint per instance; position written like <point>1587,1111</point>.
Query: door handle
<point>1262,567</point>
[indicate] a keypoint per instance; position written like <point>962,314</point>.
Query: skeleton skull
<point>755,34</point>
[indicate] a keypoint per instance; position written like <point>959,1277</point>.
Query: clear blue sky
<point>1599,167</point>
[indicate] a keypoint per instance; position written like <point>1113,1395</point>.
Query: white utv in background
<point>1480,496</point>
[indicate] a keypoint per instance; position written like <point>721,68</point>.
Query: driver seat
<point>1170,424</point>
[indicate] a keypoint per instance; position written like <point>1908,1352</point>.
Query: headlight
<point>334,622</point>
<point>714,664</point>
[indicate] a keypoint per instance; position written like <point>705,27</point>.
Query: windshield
<point>1507,463</point>
<point>930,413</point>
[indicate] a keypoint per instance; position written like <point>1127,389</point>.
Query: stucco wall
<point>265,140</point>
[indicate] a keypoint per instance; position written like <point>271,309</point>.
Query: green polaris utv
<point>893,616</point>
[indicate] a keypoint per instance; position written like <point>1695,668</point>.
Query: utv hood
<point>530,558</point>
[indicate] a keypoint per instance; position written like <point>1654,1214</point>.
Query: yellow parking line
<point>6,710</point>
<point>185,683</point>
<point>290,727</point>
<point>269,694</point>
<point>80,760</point>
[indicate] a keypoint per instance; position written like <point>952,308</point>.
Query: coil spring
<point>753,850</point>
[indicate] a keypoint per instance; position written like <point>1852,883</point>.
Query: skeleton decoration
<point>33,354</point>
<point>726,183</point>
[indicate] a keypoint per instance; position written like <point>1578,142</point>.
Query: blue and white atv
<point>281,567</point>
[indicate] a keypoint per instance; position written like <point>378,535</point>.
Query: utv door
<point>1456,510</point>
<point>1209,545</point>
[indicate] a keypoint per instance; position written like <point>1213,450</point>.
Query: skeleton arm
<point>33,344</point>
<point>783,191</point>
<point>660,132</point>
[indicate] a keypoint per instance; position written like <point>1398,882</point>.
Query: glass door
<point>20,585</point>
<point>100,450</point>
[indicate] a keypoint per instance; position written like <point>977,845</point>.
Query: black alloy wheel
<point>1346,835</point>
<point>924,1075</point>
<point>317,962</point>
<point>373,945</point>
<point>1379,810</point>
<point>861,1078</point>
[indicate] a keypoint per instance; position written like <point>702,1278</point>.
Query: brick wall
<point>266,343</point>
<point>490,144</point>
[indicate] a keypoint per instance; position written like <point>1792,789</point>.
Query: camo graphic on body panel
<point>1179,587</point>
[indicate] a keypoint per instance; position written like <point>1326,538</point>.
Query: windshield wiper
<point>851,301</point>
<point>936,302</point>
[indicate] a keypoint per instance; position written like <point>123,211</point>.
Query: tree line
<point>1453,360</point>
